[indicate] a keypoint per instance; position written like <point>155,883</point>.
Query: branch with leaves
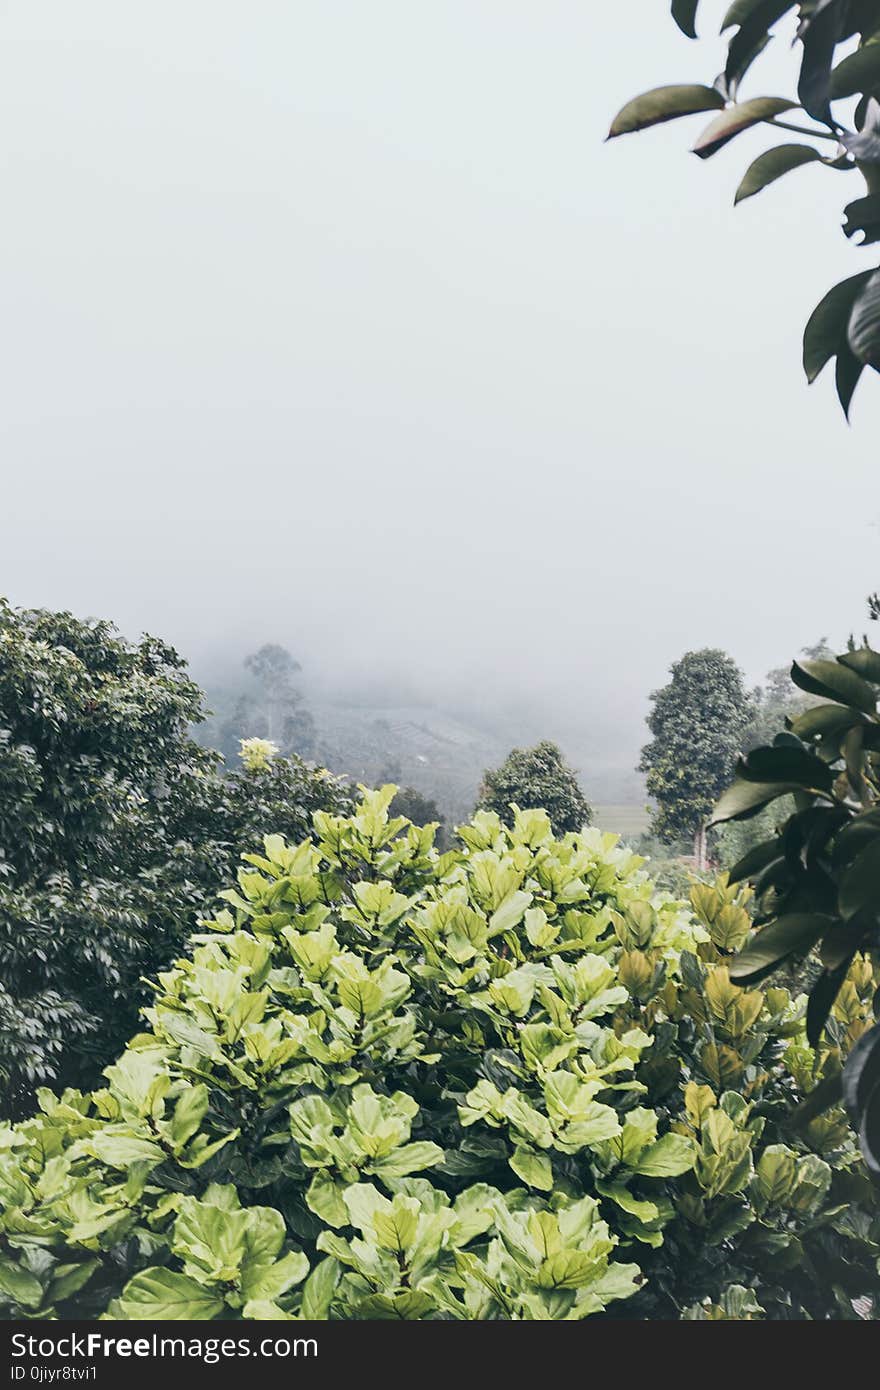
<point>834,81</point>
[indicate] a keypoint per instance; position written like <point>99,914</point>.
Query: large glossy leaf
<point>745,799</point>
<point>664,104</point>
<point>787,763</point>
<point>739,12</point>
<point>861,1075</point>
<point>863,215</point>
<point>771,165</point>
<point>860,884</point>
<point>825,719</point>
<point>752,38</point>
<point>787,936</point>
<point>827,325</point>
<point>847,372</point>
<point>835,682</point>
<point>757,859</point>
<point>865,661</point>
<point>858,73</point>
<point>821,1001</point>
<point>684,12</point>
<point>736,119</point>
<point>863,331</point>
<point>869,1134</point>
<point>820,32</point>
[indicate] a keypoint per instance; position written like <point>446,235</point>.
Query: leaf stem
<point>801,129</point>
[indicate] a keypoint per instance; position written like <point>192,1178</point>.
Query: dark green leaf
<point>787,936</point>
<point>824,719</point>
<point>865,661</point>
<point>664,104</point>
<point>869,1134</point>
<point>757,859</point>
<point>771,165</point>
<point>863,215</point>
<point>787,763</point>
<point>752,38</point>
<point>684,12</point>
<point>847,371</point>
<point>736,119</point>
<point>863,331</point>
<point>861,1074</point>
<point>820,32</point>
<point>822,1097</point>
<point>739,12</point>
<point>821,1001</point>
<point>745,799</point>
<point>826,329</point>
<point>834,682</point>
<point>860,884</point>
<point>858,73</point>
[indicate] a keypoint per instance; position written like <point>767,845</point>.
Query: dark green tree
<point>698,722</point>
<point>116,831</point>
<point>836,113</point>
<point>536,777</point>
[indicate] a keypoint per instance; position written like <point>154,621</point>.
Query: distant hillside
<point>411,745</point>
<point>443,751</point>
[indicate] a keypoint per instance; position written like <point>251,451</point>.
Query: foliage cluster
<point>817,879</point>
<point>116,829</point>
<point>838,91</point>
<point>532,778</point>
<point>512,1081</point>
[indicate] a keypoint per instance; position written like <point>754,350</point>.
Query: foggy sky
<point>337,324</point>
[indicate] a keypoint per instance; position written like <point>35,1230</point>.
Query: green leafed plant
<point>835,112</point>
<point>510,1081</point>
<point>817,878</point>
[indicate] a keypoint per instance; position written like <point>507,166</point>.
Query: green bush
<point>512,1081</point>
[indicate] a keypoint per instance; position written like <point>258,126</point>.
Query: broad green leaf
<point>860,72</point>
<point>745,799</point>
<point>771,165</point>
<point>670,1156</point>
<point>189,1112</point>
<point>684,12</point>
<point>860,884</point>
<point>535,1169</point>
<point>834,681</point>
<point>826,328</point>
<point>410,1158</point>
<point>863,332</point>
<point>664,104</point>
<point>160,1294</point>
<point>865,661</point>
<point>736,119</point>
<point>786,763</point>
<point>19,1284</point>
<point>793,934</point>
<point>318,1290</point>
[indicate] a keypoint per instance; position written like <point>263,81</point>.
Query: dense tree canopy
<point>698,721</point>
<point>115,829</point>
<point>507,1082</point>
<point>536,777</point>
<point>836,111</point>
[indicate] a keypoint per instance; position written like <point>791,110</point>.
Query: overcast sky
<point>336,322</point>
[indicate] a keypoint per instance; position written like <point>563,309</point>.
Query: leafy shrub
<point>512,1081</point>
<point>817,877</point>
